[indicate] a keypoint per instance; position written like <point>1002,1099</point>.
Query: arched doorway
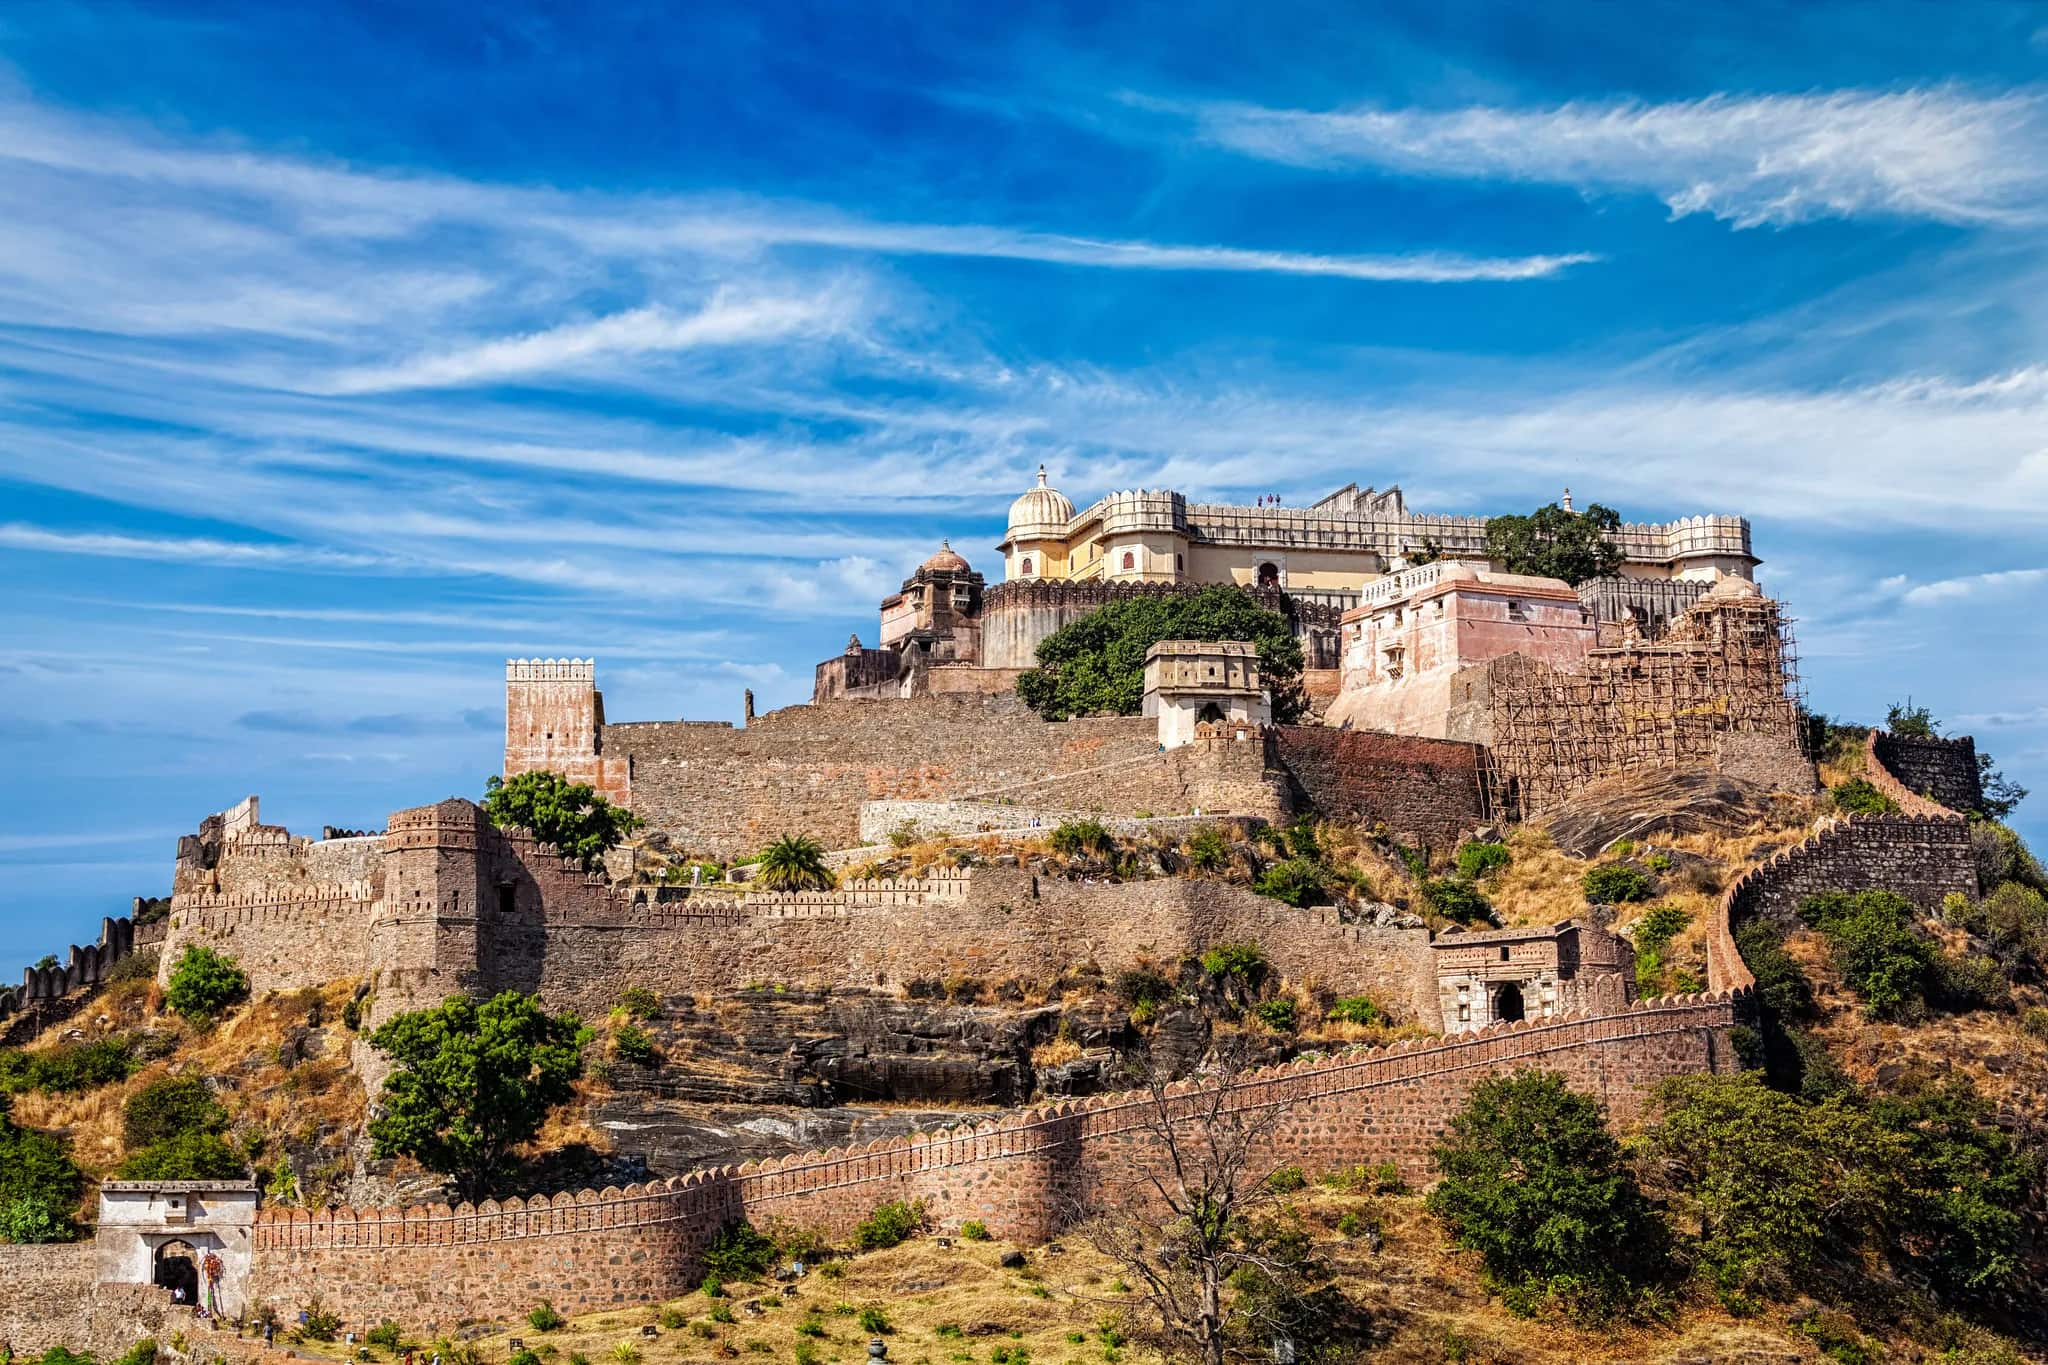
<point>177,1267</point>
<point>1507,1003</point>
<point>1269,575</point>
<point>1210,714</point>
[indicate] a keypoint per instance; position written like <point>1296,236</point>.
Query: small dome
<point>947,560</point>
<point>1042,511</point>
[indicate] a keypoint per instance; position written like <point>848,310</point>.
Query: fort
<point>1453,696</point>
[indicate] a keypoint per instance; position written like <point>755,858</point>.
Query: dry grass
<point>1540,885</point>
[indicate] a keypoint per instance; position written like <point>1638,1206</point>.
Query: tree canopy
<point>473,1082</point>
<point>1096,665</point>
<point>1553,543</point>
<point>569,815</point>
<point>39,1184</point>
<point>794,862</point>
<point>203,983</point>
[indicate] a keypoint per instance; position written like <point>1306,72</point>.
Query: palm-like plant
<point>795,862</point>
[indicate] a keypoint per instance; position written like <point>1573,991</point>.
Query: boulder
<point>1660,801</point>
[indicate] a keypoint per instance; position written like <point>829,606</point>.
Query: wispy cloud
<point>1948,590</point>
<point>1943,153</point>
<point>183,550</point>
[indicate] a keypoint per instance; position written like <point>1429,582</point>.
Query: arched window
<point>1026,566</point>
<point>1130,561</point>
<point>1269,575</point>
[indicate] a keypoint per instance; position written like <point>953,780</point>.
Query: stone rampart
<point>285,937</point>
<point>1921,857</point>
<point>1427,790</point>
<point>881,820</point>
<point>84,966</point>
<point>428,1267</point>
<point>1925,776</point>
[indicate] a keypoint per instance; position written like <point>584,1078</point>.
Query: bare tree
<point>1202,1230</point>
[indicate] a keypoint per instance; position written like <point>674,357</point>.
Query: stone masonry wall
<point>41,1290</point>
<point>726,792</point>
<point>428,1267</point>
<point>1922,858</point>
<point>1427,790</point>
<point>302,935</point>
<point>1942,772</point>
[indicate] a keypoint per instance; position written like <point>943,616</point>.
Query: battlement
<point>551,670</point>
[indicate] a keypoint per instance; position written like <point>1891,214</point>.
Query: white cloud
<point>185,550</point>
<point>1947,590</point>
<point>1940,153</point>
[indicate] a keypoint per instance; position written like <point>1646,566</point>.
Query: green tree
<point>1762,1182</point>
<point>1913,722</point>
<point>1875,944</point>
<point>1534,1182</point>
<point>1553,543</point>
<point>39,1184</point>
<point>168,1108</point>
<point>795,862</point>
<point>1966,1183</point>
<point>1999,793</point>
<point>203,983</point>
<point>1096,665</point>
<point>473,1082</point>
<point>187,1156</point>
<point>569,815</point>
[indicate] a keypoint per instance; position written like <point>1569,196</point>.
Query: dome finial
<point>1041,475</point>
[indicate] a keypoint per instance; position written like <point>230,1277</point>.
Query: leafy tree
<point>39,1184</point>
<point>203,983</point>
<point>187,1156</point>
<point>2013,923</point>
<point>569,815</point>
<point>1534,1182</point>
<point>1873,942</point>
<point>1553,543</point>
<point>1762,1182</point>
<point>473,1082</point>
<point>1075,838</point>
<point>1910,721</point>
<point>795,862</point>
<point>1096,665</point>
<point>168,1108</point>
<point>2000,794</point>
<point>1966,1182</point>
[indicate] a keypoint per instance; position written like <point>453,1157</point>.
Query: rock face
<point>1662,801</point>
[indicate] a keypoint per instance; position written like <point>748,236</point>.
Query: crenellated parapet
<point>83,966</point>
<point>1925,776</point>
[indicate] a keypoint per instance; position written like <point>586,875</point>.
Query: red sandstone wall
<point>1426,790</point>
<point>428,1267</point>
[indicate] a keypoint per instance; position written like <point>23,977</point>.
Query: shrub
<point>1534,1182</point>
<point>1074,838</point>
<point>1208,850</point>
<point>2013,923</point>
<point>169,1108</point>
<point>1456,899</point>
<point>1858,797</point>
<point>721,1312</point>
<point>1286,1180</point>
<point>1615,884</point>
<point>1873,943</point>
<point>1243,962</point>
<point>570,815</point>
<point>385,1334</point>
<point>188,1156</point>
<point>1967,983</point>
<point>203,983</point>
<point>1355,1009</point>
<point>39,1184</point>
<point>626,1353</point>
<point>1142,986</point>
<point>671,1317</point>
<point>873,1319</point>
<point>1660,924</point>
<point>68,1067</point>
<point>634,1044</point>
<point>974,1230</point>
<point>806,1353</point>
<point>523,1357</point>
<point>738,1252</point>
<point>1965,1181</point>
<point>889,1225</point>
<point>1296,881</point>
<point>1476,859</point>
<point>143,1352</point>
<point>1278,1013</point>
<point>639,1002</point>
<point>544,1318</point>
<point>320,1325</point>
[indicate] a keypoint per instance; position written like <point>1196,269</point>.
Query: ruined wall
<point>1429,791</point>
<point>82,966</point>
<point>1922,858</point>
<point>1941,771</point>
<point>428,1267</point>
<point>807,769</point>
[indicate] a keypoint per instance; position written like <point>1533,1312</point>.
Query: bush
<point>1355,1009</point>
<point>385,1334</point>
<point>671,1317</point>
<point>639,1002</point>
<point>1960,984</point>
<point>1966,1182</point>
<point>1277,1013</point>
<point>974,1230</point>
<point>1286,1180</point>
<point>203,983</point>
<point>889,1225</point>
<point>1476,859</point>
<point>1296,881</point>
<point>2013,923</point>
<point>1660,924</point>
<point>544,1318</point>
<point>738,1252</point>
<point>1142,986</point>
<point>320,1325</point>
<point>1534,1182</point>
<point>1874,945</point>
<point>67,1068</point>
<point>1208,850</point>
<point>1075,838</point>
<point>873,1319</point>
<point>1242,962</point>
<point>170,1108</point>
<point>1454,898</point>
<point>143,1352</point>
<point>1858,797</point>
<point>188,1156</point>
<point>1615,884</point>
<point>634,1044</point>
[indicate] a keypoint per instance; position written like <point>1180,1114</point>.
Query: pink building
<point>1414,629</point>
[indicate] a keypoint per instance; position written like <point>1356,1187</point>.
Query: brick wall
<point>1925,776</point>
<point>428,1267</point>
<point>806,769</point>
<point>1426,790</point>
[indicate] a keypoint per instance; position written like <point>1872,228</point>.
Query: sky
<point>347,350</point>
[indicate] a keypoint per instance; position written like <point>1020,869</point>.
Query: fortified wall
<point>1912,770</point>
<point>33,1004</point>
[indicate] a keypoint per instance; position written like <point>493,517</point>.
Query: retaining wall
<point>1429,791</point>
<point>1921,857</point>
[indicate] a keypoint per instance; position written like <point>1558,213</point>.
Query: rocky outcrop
<point>1658,803</point>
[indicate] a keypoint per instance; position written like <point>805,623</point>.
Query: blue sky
<point>347,350</point>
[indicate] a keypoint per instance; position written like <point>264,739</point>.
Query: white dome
<point>1042,511</point>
